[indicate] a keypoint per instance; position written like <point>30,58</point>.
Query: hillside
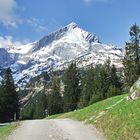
<point>116,117</point>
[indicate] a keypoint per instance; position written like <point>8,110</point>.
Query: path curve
<point>57,129</point>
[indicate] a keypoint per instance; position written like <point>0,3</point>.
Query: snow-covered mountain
<point>56,51</point>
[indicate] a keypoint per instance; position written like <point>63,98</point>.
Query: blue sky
<point>29,20</point>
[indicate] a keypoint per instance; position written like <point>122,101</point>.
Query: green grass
<point>121,122</point>
<point>6,130</point>
<point>54,116</point>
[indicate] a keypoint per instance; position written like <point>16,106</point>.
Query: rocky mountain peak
<point>57,50</point>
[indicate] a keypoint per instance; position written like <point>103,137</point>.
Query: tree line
<point>82,88</point>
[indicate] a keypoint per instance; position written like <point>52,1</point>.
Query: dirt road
<point>64,129</point>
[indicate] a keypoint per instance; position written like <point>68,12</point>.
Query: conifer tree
<point>8,98</point>
<point>115,79</point>
<point>87,87</point>
<point>39,106</point>
<point>54,99</point>
<point>132,58</point>
<point>72,88</point>
<point>116,85</point>
<point>104,81</point>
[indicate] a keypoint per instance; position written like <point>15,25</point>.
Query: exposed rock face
<point>5,58</point>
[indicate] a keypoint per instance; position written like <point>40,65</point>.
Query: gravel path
<point>64,129</point>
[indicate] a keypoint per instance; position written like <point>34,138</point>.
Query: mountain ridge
<point>57,50</point>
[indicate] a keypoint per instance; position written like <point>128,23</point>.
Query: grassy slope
<point>7,130</point>
<point>120,122</point>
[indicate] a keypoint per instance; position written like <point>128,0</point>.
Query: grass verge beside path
<point>7,129</point>
<point>54,116</point>
<point>116,117</point>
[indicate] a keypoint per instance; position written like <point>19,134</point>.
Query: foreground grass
<point>119,121</point>
<point>7,129</point>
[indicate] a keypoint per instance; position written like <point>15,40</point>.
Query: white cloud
<point>36,24</point>
<point>7,13</point>
<point>9,18</point>
<point>7,41</point>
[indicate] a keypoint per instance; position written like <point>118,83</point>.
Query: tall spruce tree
<point>132,57</point>
<point>72,88</point>
<point>54,100</point>
<point>115,78</point>
<point>115,87</point>
<point>87,87</point>
<point>39,106</point>
<point>8,98</point>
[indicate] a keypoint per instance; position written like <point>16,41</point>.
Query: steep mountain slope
<point>56,51</point>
